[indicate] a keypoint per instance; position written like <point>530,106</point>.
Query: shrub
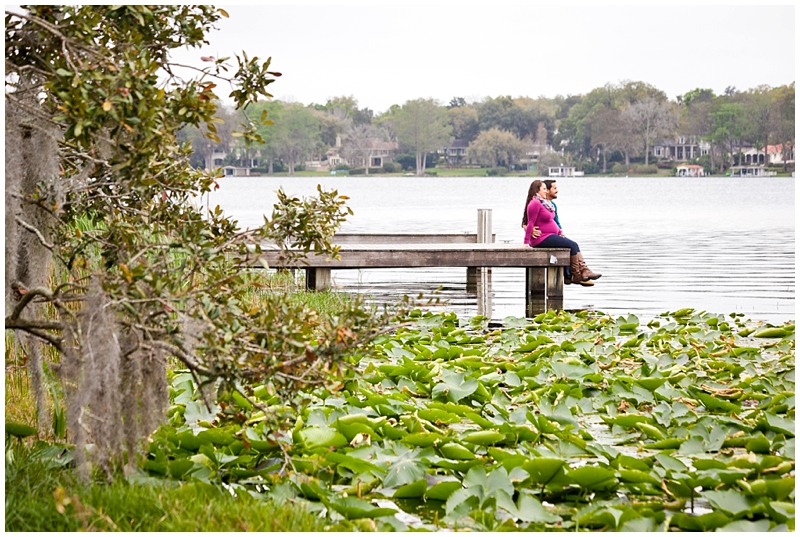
<point>641,169</point>
<point>391,167</point>
<point>494,172</point>
<point>357,171</point>
<point>408,162</point>
<point>341,167</point>
<point>620,169</point>
<point>590,167</point>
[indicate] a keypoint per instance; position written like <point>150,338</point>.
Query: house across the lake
<point>689,170</point>
<point>751,171</point>
<point>563,171</point>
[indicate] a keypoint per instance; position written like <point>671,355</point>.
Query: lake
<point>716,244</point>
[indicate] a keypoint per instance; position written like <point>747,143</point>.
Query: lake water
<point>720,245</point>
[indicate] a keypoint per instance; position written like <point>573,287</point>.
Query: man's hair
<point>548,183</point>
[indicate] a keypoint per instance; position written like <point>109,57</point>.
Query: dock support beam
<point>544,290</point>
<point>318,279</point>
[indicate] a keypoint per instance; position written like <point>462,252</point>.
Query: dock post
<point>318,279</point>
<point>555,288</point>
<point>535,291</point>
<point>484,236</point>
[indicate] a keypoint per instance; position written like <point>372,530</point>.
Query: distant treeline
<point>629,121</point>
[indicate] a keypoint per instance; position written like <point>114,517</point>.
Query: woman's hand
<point>535,232</point>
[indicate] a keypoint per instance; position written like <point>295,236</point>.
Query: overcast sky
<point>384,55</point>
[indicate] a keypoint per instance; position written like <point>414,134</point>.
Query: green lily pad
<point>313,438</point>
<point>731,502</point>
<point>354,508</point>
<point>592,477</point>
<point>412,490</point>
<point>442,491</point>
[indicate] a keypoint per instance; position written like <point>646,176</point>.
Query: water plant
<point>565,421</point>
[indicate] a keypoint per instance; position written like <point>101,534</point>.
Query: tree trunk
<point>420,164</point>
<point>270,168</point>
<point>605,161</point>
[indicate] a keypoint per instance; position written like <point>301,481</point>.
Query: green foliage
<point>391,167</point>
<point>590,167</point>
<point>497,171</point>
<point>153,278</point>
<point>565,421</point>
<point>42,495</point>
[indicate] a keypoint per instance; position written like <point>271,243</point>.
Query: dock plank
<point>404,255</point>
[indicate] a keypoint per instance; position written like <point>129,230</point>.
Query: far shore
<point>478,172</point>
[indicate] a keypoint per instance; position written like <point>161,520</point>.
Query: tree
<point>650,119</point>
<point>422,126</point>
<point>107,260</point>
<point>757,107</point>
<point>359,143</point>
<point>297,134</point>
<point>495,148</point>
<point>464,120</point>
<point>267,144</point>
<point>784,120</point>
<point>727,128</point>
<point>206,142</point>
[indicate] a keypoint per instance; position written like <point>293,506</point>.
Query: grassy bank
<point>44,495</point>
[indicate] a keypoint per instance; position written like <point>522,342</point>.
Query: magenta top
<point>539,216</point>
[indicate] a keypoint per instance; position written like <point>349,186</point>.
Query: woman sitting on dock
<point>539,212</point>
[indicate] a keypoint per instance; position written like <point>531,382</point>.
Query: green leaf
<point>592,477</point>
<point>731,502</point>
<point>761,526</point>
<point>313,438</point>
<point>354,508</point>
<point>706,522</point>
<point>779,424</point>
<point>542,470</point>
<point>422,439</point>
<point>442,491</point>
<point>412,490</point>
<point>19,430</point>
<point>531,510</point>
<point>354,464</point>
<point>454,387</point>
<point>403,472</point>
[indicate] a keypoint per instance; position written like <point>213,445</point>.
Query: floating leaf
<point>318,437</point>
<point>412,490</point>
<point>731,502</point>
<point>592,477</point>
<point>442,491</point>
<point>353,508</point>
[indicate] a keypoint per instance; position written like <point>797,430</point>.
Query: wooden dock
<point>544,288</point>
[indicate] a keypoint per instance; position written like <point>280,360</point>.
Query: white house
<point>563,171</point>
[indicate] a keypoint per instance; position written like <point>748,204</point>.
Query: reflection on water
<point>661,243</point>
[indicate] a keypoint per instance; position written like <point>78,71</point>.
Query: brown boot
<point>585,272</point>
<point>577,271</point>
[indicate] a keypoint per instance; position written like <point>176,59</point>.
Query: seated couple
<point>543,231</point>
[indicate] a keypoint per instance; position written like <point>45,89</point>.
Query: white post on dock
<point>480,277</point>
<point>484,225</point>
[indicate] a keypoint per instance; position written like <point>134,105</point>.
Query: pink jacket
<point>539,216</point>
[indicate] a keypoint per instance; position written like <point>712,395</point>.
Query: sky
<point>384,54</point>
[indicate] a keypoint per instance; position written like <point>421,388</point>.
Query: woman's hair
<point>532,190</point>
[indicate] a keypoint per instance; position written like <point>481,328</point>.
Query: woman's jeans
<point>559,241</point>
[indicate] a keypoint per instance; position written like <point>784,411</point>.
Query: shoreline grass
<point>41,497</point>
